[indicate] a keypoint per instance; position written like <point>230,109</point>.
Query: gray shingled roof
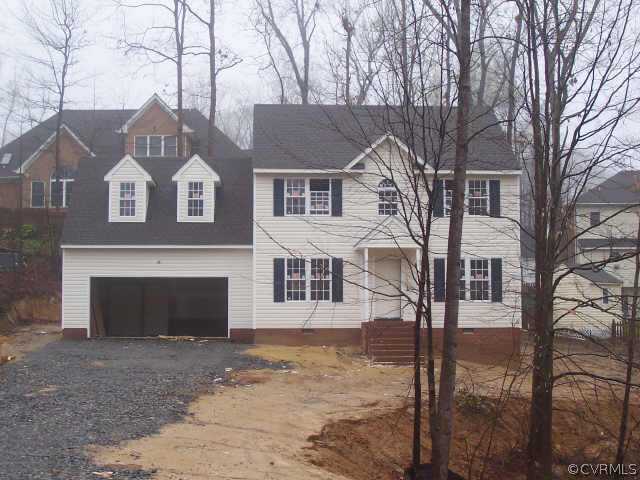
<point>87,221</point>
<point>597,276</point>
<point>97,130</point>
<point>331,136</point>
<point>591,243</point>
<point>621,188</point>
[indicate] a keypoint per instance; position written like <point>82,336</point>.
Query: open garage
<point>143,307</point>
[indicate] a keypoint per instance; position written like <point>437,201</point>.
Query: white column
<point>365,309</point>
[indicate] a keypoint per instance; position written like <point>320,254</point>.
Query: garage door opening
<point>148,307</point>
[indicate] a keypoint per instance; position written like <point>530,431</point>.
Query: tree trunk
<point>179,33</point>
<point>450,344</point>
<point>624,418</point>
<point>417,380</point>
<point>211,133</point>
<point>512,83</point>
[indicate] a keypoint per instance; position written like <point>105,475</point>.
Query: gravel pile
<point>68,395</point>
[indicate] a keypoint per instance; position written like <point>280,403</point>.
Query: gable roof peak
<point>128,159</point>
<point>154,99</point>
<point>48,142</point>
<point>196,159</point>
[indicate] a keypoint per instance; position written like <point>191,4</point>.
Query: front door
<point>387,288</point>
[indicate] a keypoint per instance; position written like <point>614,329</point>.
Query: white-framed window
<point>478,197</point>
<point>319,196</point>
<point>195,199</point>
<point>479,288</point>
<point>61,190</point>
<point>605,296</point>
<point>387,198</point>
<point>463,279</point>
<point>155,146</point>
<point>296,279</point>
<point>295,196</point>
<point>127,199</point>
<point>448,196</point>
<point>320,280</point>
<point>594,218</point>
<point>37,194</point>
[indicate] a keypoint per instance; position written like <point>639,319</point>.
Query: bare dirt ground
<point>332,416</point>
<point>27,339</point>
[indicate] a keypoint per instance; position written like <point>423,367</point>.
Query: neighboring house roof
<point>599,277</point>
<point>622,188</point>
<point>87,221</point>
<point>97,129</point>
<point>332,136</point>
<point>593,243</point>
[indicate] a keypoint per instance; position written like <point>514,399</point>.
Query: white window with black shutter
<point>322,282</point>
<point>482,197</point>
<point>307,196</point>
<point>480,279</point>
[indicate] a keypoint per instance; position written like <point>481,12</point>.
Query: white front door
<point>387,287</point>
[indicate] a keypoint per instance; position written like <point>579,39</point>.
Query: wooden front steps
<point>389,341</point>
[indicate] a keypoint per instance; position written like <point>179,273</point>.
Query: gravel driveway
<point>68,395</point>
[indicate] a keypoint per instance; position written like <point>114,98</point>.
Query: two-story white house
<point>606,220</point>
<point>305,242</point>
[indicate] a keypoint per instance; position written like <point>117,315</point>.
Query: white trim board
<point>184,247</point>
<point>302,171</point>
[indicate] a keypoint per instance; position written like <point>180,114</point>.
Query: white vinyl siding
<point>310,237</point>
<point>79,265</point>
<point>573,310</point>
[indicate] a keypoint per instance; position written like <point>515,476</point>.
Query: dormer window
<point>155,146</point>
<point>196,191</point>
<point>195,200</point>
<point>129,186</point>
<point>127,199</point>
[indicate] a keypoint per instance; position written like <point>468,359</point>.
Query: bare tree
<point>163,43</point>
<point>575,110</point>
<point>59,32</point>
<point>275,19</point>
<point>354,60</point>
<point>220,59</point>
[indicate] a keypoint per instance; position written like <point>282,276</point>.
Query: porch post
<point>365,310</point>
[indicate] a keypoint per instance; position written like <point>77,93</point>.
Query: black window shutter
<point>463,286</point>
<point>336,197</point>
<point>438,280</point>
<point>438,199</point>
<point>496,280</point>
<point>494,198</point>
<point>278,197</point>
<point>278,280</point>
<point>337,279</point>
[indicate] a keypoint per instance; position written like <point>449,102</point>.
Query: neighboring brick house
<point>292,245</point>
<point>27,164</point>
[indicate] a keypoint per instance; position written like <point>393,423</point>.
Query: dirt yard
<point>26,339</point>
<point>332,416</point>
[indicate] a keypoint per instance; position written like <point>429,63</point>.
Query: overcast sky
<point>120,80</point>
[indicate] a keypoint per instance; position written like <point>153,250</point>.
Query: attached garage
<point>146,292</point>
<point>141,307</point>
